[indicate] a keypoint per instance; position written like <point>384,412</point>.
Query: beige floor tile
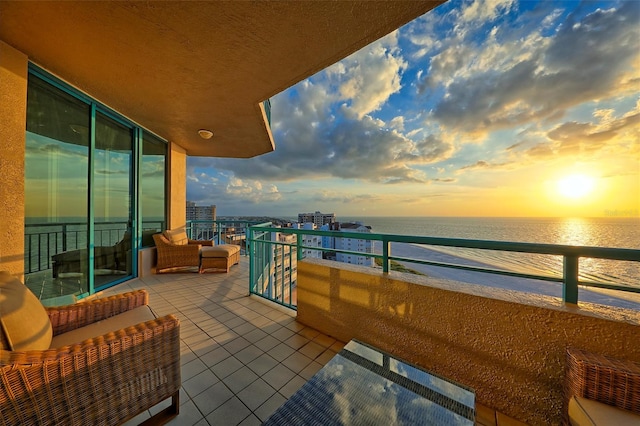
<point>312,350</point>
<point>240,379</point>
<point>270,406</point>
<point>226,367</point>
<point>262,364</point>
<point>256,394</point>
<point>199,383</point>
<point>292,386</point>
<point>232,412</point>
<point>212,398</point>
<point>278,376</point>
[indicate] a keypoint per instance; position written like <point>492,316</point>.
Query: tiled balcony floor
<point>241,358</point>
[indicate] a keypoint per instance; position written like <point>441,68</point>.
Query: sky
<point>478,108</point>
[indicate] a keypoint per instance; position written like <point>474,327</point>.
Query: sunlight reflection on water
<point>595,232</point>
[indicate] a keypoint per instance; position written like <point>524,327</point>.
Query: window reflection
<point>56,191</point>
<point>152,187</point>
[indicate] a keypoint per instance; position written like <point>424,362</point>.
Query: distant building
<point>350,244</point>
<point>317,218</point>
<point>206,230</point>
<point>277,272</point>
<point>309,241</point>
<point>200,212</point>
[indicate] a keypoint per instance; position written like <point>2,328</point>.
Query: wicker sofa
<point>601,390</point>
<point>100,362</point>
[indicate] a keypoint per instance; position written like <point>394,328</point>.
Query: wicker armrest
<point>603,379</point>
<point>105,380</point>
<point>201,242</point>
<point>70,317</point>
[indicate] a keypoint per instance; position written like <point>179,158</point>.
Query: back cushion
<point>177,236</point>
<point>24,321</point>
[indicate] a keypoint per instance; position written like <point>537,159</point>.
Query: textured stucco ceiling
<point>176,67</point>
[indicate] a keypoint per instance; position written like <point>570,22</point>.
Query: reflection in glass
<point>112,162</point>
<point>152,187</point>
<point>56,191</point>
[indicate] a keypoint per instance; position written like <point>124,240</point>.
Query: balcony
<point>243,358</point>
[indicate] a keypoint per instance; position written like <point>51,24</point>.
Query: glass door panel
<point>112,201</point>
<point>56,193</point>
<point>152,188</point>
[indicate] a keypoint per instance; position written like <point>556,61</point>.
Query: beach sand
<point>600,296</point>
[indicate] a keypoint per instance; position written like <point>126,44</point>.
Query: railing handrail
<point>611,253</point>
<point>570,254</point>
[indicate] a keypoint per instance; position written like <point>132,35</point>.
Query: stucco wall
<point>508,346</point>
<point>177,187</point>
<point>13,116</point>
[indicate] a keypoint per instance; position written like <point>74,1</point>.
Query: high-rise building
<point>277,272</point>
<point>317,218</point>
<point>195,212</point>
<point>310,241</point>
<point>350,244</point>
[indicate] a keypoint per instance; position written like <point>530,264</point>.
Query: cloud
<point>347,198</point>
<point>355,149</point>
<point>484,10</point>
<point>324,127</point>
<point>586,140</point>
<point>538,78</point>
<point>485,165</point>
<point>370,76</point>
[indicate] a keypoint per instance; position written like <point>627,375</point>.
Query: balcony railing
<point>230,231</point>
<point>44,240</point>
<point>262,258</point>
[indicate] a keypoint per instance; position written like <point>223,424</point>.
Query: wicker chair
<point>104,380</point>
<point>601,379</point>
<point>172,255</point>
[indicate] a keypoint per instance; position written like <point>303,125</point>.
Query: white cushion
<point>177,236</point>
<point>115,323</point>
<point>225,250</point>
<point>24,323</point>
<point>587,412</point>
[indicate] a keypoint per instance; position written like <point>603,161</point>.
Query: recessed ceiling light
<point>205,134</point>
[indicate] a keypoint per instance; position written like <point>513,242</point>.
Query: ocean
<point>598,232</point>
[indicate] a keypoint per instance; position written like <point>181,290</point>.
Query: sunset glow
<point>575,186</point>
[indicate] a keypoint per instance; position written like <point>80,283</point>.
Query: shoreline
<point>607,297</point>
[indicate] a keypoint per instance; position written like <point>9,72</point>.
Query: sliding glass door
<point>112,200</point>
<point>94,192</point>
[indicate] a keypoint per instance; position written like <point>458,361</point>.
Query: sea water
<point>596,232</point>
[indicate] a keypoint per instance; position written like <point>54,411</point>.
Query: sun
<point>575,186</point>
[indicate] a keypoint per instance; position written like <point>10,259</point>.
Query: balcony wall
<point>13,116</point>
<point>508,346</point>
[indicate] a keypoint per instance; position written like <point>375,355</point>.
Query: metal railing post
<point>64,237</point>
<point>386,250</point>
<point>570,279</point>
<point>252,259</point>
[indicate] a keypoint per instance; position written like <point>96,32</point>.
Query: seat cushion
<point>115,323</point>
<point>587,412</point>
<point>225,250</point>
<point>176,236</point>
<point>24,322</point>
